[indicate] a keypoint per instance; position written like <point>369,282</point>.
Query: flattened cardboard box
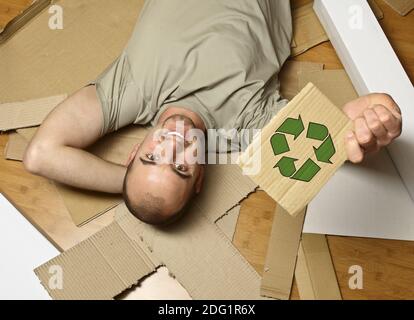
<point>300,149</point>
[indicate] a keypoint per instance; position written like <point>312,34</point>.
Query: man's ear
<point>132,155</point>
<point>199,181</point>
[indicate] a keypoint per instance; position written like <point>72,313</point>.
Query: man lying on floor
<point>197,64</point>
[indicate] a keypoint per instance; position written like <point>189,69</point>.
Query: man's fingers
<point>377,128</point>
<point>363,134</point>
<point>353,149</point>
<point>391,123</point>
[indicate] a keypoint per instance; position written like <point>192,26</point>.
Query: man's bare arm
<point>56,151</point>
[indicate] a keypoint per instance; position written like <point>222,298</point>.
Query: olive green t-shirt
<point>218,58</point>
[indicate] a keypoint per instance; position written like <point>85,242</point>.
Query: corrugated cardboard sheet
<point>86,264</point>
<point>403,7</point>
<point>198,254</point>
<point>29,62</point>
<point>100,267</point>
<point>281,254</point>
<point>335,84</point>
<point>315,274</point>
<point>311,106</point>
<point>27,114</point>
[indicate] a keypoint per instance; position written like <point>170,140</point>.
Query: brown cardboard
<point>194,250</point>
<point>15,147</point>
<point>198,254</point>
<point>335,84</point>
<point>41,62</point>
<point>100,267</point>
<point>403,7</point>
<point>228,223</point>
<point>28,113</point>
<point>289,76</point>
<point>308,106</point>
<point>281,254</point>
<point>315,274</point>
<point>307,30</point>
<point>15,24</point>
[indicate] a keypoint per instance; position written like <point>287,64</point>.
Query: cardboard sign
<point>300,149</point>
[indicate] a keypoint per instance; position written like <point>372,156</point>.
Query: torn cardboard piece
<point>307,30</point>
<point>281,254</point>
<point>334,84</point>
<point>315,273</point>
<point>194,250</point>
<point>403,7</point>
<point>98,268</point>
<point>289,76</point>
<point>15,147</point>
<point>30,113</point>
<point>300,149</point>
<point>198,254</point>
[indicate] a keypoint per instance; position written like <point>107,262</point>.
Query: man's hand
<point>378,122</point>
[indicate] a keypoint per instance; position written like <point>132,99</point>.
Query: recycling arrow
<point>279,144</point>
<point>307,172</point>
<point>286,166</point>
<point>292,126</point>
<point>325,151</point>
<point>317,131</point>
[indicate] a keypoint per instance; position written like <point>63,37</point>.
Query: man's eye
<point>181,167</point>
<point>150,156</point>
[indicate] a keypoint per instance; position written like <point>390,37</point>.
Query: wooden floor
<point>10,9</point>
<point>388,265</point>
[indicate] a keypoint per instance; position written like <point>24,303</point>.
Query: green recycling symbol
<point>310,168</point>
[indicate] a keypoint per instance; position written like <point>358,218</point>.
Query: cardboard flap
<point>300,149</point>
<point>281,254</point>
<point>307,30</point>
<point>315,274</point>
<point>31,113</point>
<point>198,254</point>
<point>100,267</point>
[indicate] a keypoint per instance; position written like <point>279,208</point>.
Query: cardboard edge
<point>18,22</point>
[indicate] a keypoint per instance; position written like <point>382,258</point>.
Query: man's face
<point>168,165</point>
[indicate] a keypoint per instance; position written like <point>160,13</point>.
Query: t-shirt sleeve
<point>118,95</point>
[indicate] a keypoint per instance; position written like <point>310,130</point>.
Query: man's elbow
<point>35,157</point>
